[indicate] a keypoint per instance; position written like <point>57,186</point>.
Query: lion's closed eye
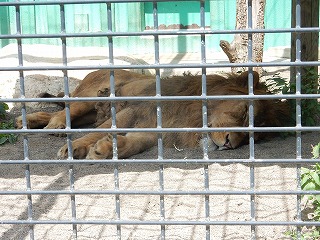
<point>97,153</point>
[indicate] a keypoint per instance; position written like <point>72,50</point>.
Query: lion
<point>175,113</point>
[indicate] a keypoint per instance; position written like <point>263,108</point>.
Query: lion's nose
<point>227,144</point>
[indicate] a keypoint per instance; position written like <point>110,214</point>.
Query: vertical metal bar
<point>159,118</point>
<point>205,116</point>
<point>251,119</point>
<point>113,120</point>
<point>298,113</point>
<point>68,120</point>
<point>24,124</point>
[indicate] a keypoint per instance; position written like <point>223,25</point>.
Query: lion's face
<point>230,114</point>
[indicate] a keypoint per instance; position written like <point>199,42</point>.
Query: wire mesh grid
<point>164,221</point>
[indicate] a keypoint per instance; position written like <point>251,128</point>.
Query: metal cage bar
<point>24,122</point>
<point>205,118</point>
<point>298,114</point>
<point>114,125</point>
<point>159,122</point>
<point>251,120</point>
<point>68,120</point>
<point>163,66</point>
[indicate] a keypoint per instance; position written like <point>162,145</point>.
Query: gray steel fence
<point>160,220</point>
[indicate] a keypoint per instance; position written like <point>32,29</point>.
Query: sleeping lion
<point>175,114</point>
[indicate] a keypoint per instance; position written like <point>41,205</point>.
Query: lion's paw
<point>79,151</point>
<point>56,124</point>
<point>32,121</point>
<point>18,123</point>
<point>102,149</point>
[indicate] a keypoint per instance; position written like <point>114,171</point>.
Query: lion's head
<point>235,113</point>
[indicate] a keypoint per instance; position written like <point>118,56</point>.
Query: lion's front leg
<point>77,111</point>
<point>35,120</point>
<point>128,145</point>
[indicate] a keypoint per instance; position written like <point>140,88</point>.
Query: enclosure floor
<point>182,177</point>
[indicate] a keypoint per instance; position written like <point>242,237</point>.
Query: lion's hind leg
<point>103,108</point>
<point>128,145</point>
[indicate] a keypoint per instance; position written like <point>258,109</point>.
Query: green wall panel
<point>4,24</point>
<point>175,12</point>
<point>127,17</point>
<point>277,15</point>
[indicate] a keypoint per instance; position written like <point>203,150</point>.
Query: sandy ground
<point>140,177</point>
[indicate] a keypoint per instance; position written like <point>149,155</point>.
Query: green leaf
<point>3,140</point>
<point>10,138</point>
<point>3,107</point>
<point>316,179</point>
<point>304,171</point>
<point>316,151</point>
<point>317,197</point>
<point>308,186</point>
<point>304,179</point>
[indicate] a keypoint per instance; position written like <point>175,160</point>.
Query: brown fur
<point>175,114</point>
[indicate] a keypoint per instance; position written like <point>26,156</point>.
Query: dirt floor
<point>182,177</point>
<point>144,177</point>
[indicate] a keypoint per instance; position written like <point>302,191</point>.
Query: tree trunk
<point>237,50</point>
<point>309,40</point>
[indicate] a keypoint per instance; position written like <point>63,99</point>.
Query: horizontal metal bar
<point>164,98</point>
<point>159,33</point>
<point>256,161</point>
<point>158,193</point>
<point>163,130</point>
<point>162,66</point>
<point>65,2</point>
<point>161,222</point>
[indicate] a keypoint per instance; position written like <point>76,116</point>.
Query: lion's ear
<point>244,78</point>
<point>240,112</point>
